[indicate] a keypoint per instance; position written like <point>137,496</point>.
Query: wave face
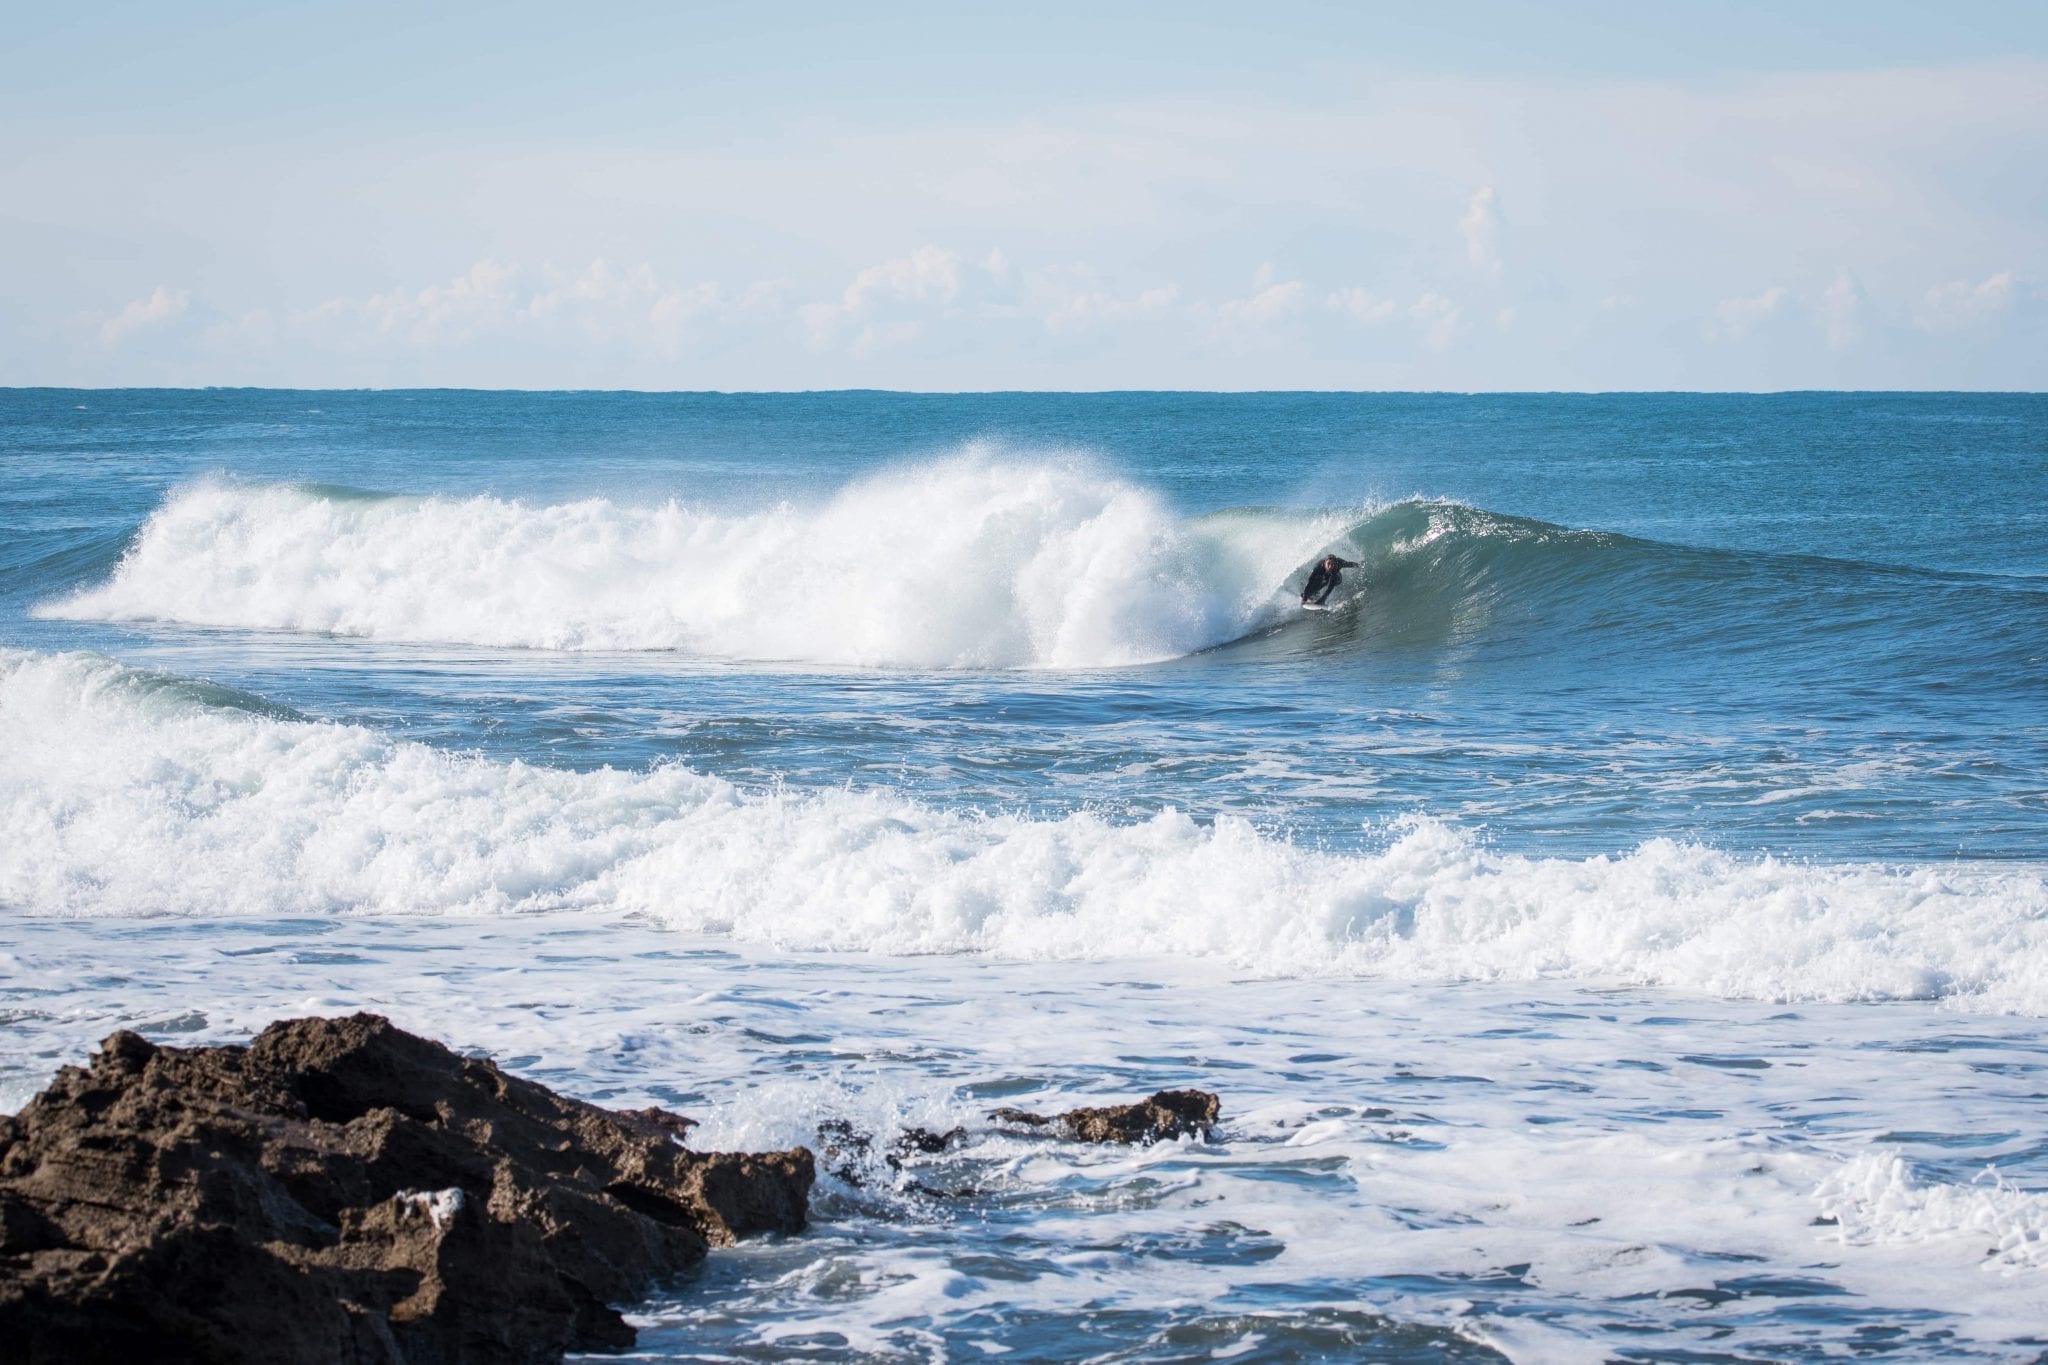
<point>980,562</point>
<point>125,792</point>
<point>971,562</point>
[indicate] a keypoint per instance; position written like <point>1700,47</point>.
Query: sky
<point>1481,196</point>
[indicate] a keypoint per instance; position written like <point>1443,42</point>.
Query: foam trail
<point>1874,1199</point>
<point>123,792</point>
<point>970,562</point>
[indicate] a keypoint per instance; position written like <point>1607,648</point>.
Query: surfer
<point>1323,580</point>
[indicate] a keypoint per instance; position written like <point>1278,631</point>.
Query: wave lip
<point>971,562</point>
<point>124,793</point>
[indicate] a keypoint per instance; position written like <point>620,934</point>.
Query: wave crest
<point>120,794</point>
<point>971,562</point>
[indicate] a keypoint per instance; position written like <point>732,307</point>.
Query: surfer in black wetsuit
<point>1323,580</point>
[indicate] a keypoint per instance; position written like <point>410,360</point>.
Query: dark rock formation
<point>341,1190</point>
<point>924,1142</point>
<point>1168,1114</point>
<point>848,1154</point>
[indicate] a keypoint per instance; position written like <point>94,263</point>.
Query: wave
<point>970,562</point>
<point>124,792</point>
<point>985,562</point>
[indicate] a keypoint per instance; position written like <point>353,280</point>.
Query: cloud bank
<point>1831,229</point>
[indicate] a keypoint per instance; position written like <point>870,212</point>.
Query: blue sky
<point>1482,196</point>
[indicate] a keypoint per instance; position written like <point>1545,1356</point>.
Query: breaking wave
<point>990,563</point>
<point>967,563</point>
<point>125,792</point>
<point>971,562</point>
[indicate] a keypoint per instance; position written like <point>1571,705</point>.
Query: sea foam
<point>1874,1199</point>
<point>973,562</point>
<point>126,792</point>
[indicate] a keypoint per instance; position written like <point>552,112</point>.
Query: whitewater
<point>128,793</point>
<point>1618,929</point>
<point>968,563</point>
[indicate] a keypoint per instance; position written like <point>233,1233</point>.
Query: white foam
<point>971,562</point>
<point>125,793</point>
<point>1875,1200</point>
<point>1434,1138</point>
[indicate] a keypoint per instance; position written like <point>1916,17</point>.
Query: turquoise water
<point>1618,929</point>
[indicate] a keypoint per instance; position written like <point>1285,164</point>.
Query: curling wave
<point>132,793</point>
<point>980,562</point>
<point>970,562</point>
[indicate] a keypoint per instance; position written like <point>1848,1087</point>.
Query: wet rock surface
<point>1166,1115</point>
<point>341,1190</point>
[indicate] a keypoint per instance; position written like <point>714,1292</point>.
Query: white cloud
<point>1072,301</point>
<point>1841,310</point>
<point>1360,305</point>
<point>924,273</point>
<point>927,274</point>
<point>629,309</point>
<point>633,304</point>
<point>159,307</point>
<point>1440,319</point>
<point>1959,305</point>
<point>1774,163</point>
<point>1480,227</point>
<point>1737,318</point>
<point>478,300</point>
<point>1270,301</point>
<point>1268,305</point>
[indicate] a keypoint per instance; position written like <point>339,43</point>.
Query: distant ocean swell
<point>971,562</point>
<point>134,793</point>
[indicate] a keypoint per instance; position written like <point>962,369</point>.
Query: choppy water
<point>1644,861</point>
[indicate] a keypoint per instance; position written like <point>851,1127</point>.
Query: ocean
<point>1617,929</point>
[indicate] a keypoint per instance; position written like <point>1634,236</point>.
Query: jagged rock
<point>1168,1114</point>
<point>848,1152</point>
<point>925,1142</point>
<point>341,1190</point>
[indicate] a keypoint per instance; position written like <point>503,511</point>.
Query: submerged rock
<point>848,1152</point>
<point>342,1190</point>
<point>1167,1115</point>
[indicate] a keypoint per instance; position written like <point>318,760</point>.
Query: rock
<point>845,1151</point>
<point>849,1153</point>
<point>656,1123</point>
<point>341,1190</point>
<point>923,1141</point>
<point>1168,1114</point>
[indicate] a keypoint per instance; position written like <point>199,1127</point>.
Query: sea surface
<point>1618,929</point>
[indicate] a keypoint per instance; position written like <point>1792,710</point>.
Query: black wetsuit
<point>1322,581</point>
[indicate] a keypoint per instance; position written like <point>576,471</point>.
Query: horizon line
<point>1011,393</point>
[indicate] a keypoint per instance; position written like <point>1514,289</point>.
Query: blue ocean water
<point>1618,928</point>
<point>1808,623</point>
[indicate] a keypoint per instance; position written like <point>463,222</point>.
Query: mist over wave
<point>134,793</point>
<point>969,562</point>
